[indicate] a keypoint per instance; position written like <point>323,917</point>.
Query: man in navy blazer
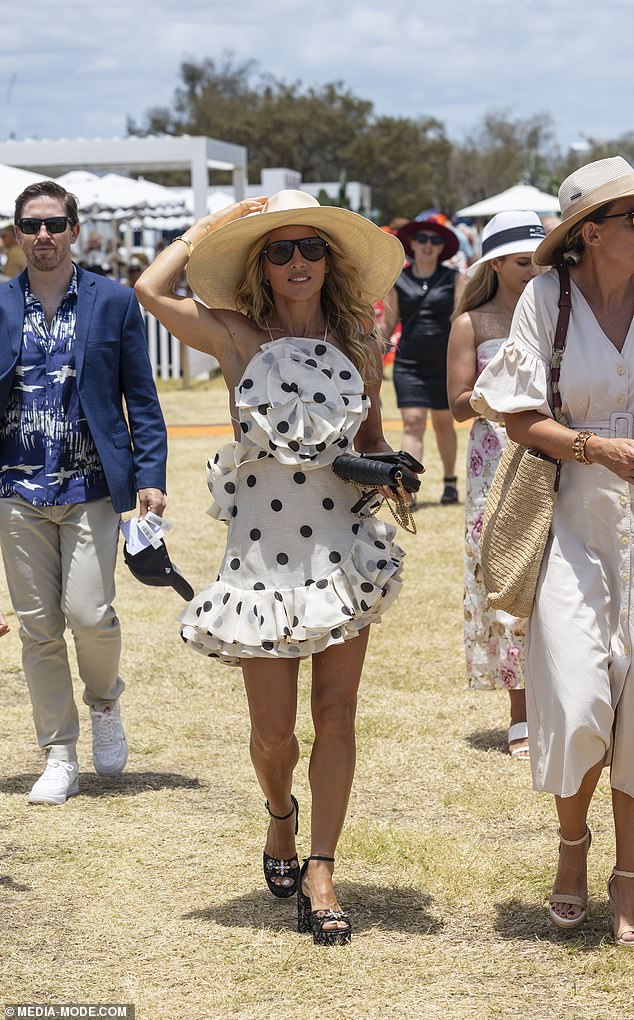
<point>72,352</point>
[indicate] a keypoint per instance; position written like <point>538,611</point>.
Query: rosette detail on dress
<point>300,570</point>
<point>301,400</point>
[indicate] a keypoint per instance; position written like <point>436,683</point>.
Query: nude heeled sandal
<point>625,928</point>
<point>576,901</point>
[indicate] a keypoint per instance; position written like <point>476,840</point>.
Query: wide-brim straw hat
<point>510,233</point>
<point>582,193</point>
<point>408,232</point>
<point>217,264</point>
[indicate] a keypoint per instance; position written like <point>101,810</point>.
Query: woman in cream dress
<point>579,675</point>
<point>494,641</point>
<point>288,288</point>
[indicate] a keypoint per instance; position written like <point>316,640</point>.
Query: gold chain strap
<point>401,512</point>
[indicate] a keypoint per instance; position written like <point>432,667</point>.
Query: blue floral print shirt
<point>47,454</point>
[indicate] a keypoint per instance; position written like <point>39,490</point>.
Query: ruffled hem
<point>228,623</point>
<point>514,380</point>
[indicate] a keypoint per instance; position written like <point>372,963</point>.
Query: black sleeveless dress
<point>420,366</point>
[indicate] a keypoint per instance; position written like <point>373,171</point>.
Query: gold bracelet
<point>579,446</point>
<point>189,244</point>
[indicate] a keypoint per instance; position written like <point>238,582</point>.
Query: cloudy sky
<point>76,68</point>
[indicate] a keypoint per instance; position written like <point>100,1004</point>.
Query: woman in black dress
<point>423,300</point>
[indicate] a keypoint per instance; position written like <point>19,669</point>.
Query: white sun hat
<point>217,264</point>
<point>510,233</point>
<point>582,193</point>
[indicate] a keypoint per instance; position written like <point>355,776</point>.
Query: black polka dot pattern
<point>292,542</point>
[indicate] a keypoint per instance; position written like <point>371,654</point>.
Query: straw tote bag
<point>519,508</point>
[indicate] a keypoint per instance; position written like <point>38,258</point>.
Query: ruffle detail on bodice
<point>222,477</point>
<point>229,623</point>
<point>301,400</point>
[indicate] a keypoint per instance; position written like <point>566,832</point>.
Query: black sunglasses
<point>53,224</point>
<point>311,248</point>
<point>616,216</point>
<point>434,239</point>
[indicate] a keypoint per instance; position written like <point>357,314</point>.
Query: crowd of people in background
<point>289,288</point>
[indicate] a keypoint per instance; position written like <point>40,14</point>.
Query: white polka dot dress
<point>300,571</point>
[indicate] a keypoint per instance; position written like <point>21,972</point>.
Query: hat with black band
<point>510,233</point>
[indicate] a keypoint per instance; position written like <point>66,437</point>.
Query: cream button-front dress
<point>578,669</point>
<point>301,571</point>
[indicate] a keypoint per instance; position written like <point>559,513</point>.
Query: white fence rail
<point>167,354</point>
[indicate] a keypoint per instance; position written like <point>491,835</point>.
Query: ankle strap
<point>281,818</point>
<point>317,857</point>
<point>575,842</point>
<point>623,874</point>
<point>450,478</point>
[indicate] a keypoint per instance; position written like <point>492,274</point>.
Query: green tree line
<point>327,133</point>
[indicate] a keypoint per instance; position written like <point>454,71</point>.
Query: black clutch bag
<point>374,469</point>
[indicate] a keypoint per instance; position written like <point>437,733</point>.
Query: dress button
<point>626,649</point>
<point>620,370</point>
<point>624,540</point>
<point>624,575</point>
<point>620,399</point>
<point>623,500</point>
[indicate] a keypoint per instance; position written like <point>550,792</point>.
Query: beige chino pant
<point>59,563</point>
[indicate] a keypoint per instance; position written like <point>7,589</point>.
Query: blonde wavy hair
<point>479,289</point>
<point>349,317</point>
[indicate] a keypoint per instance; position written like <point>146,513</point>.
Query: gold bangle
<point>189,244</point>
<point>579,446</point>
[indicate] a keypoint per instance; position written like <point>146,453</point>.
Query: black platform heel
<point>314,920</point>
<point>450,491</point>
<point>278,867</point>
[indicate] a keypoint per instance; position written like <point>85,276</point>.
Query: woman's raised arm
<point>189,320</point>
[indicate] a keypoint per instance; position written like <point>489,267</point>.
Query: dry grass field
<point>148,889</point>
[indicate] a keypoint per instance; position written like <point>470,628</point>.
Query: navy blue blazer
<point>112,365</point>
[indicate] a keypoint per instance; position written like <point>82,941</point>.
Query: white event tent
<point>520,196</point>
<point>12,182</point>
<point>119,196</point>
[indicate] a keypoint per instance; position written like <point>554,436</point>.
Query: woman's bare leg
<point>414,422</point>
<point>271,687</point>
<point>571,872</point>
<point>336,676</point>
<point>518,715</point>
<point>446,440</point>
<point>622,889</point>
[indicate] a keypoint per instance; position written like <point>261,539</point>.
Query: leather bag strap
<point>559,344</point>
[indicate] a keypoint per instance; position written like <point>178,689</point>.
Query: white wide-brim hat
<point>217,264</point>
<point>510,233</point>
<point>582,193</point>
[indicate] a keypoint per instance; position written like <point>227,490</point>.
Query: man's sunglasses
<point>434,239</point>
<point>616,216</point>
<point>53,224</point>
<point>311,248</point>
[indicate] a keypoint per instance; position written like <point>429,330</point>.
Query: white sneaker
<point>59,780</point>
<point>109,746</point>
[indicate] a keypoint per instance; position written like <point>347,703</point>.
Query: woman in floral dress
<point>494,640</point>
